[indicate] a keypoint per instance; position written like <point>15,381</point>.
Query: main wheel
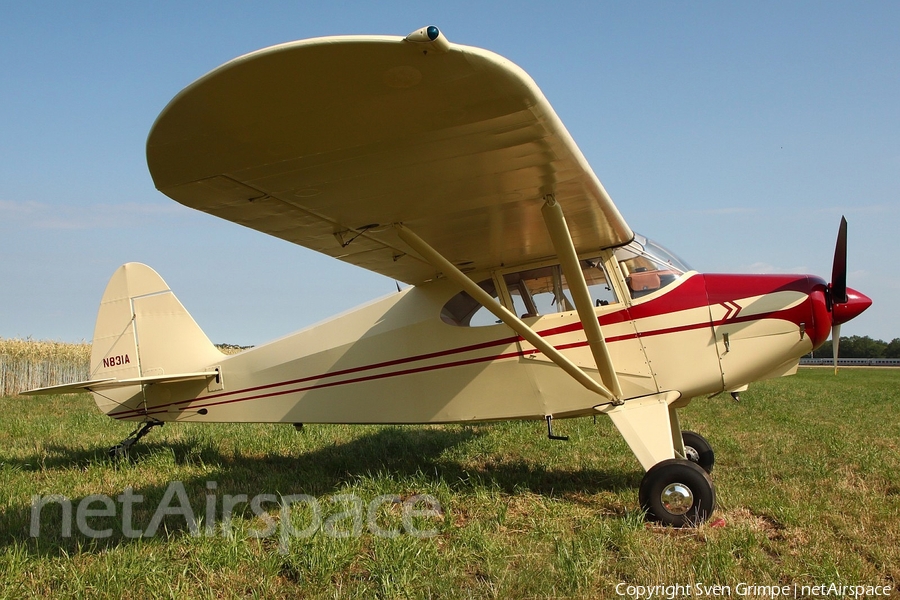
<point>697,450</point>
<point>677,492</point>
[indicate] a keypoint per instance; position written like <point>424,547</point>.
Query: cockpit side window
<point>534,292</point>
<point>544,290</point>
<point>538,292</point>
<point>598,285</point>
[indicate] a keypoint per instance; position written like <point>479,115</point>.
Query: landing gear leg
<point>675,491</point>
<point>120,450</point>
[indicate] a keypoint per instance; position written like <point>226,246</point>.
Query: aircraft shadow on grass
<point>391,460</point>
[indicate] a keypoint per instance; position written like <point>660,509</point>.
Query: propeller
<point>839,267</point>
<point>837,289</point>
<point>842,302</point>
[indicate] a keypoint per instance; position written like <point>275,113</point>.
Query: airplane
<point>442,166</point>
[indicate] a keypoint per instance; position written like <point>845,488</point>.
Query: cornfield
<point>28,364</point>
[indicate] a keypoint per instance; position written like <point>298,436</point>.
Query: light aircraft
<point>442,166</point>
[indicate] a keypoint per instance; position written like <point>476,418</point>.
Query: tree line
<point>856,346</point>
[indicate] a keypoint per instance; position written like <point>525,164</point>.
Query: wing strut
<point>450,270</point>
<point>568,258</point>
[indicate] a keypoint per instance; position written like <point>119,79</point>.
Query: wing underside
<point>327,142</point>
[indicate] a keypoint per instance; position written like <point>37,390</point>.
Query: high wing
<point>327,142</point>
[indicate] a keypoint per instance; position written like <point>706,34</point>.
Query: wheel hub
<point>677,498</point>
<point>691,454</point>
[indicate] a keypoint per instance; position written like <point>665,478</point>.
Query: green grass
<point>807,475</point>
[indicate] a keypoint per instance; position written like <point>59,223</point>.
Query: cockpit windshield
<point>648,267</point>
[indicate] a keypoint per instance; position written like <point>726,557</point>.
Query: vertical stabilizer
<point>143,331</point>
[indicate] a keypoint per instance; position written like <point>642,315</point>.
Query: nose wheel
<point>678,493</point>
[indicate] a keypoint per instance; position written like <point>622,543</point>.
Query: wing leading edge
<point>326,142</point>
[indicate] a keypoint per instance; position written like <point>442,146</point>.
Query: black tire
<point>677,492</point>
<point>697,450</point>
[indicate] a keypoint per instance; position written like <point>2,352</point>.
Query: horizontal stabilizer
<point>111,383</point>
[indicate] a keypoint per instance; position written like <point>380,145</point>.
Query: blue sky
<point>734,134</point>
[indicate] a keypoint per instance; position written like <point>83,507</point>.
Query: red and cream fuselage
<point>396,360</point>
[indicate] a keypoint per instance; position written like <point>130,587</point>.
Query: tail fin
<point>144,331</point>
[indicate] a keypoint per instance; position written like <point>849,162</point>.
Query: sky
<point>735,134</point>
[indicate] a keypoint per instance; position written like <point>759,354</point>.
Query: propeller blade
<point>839,267</point>
<point>835,342</point>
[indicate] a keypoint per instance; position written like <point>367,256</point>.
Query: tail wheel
<point>677,492</point>
<point>698,451</point>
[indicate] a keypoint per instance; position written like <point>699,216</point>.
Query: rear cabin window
<point>463,310</point>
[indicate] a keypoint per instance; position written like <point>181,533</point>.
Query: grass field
<point>807,474</point>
